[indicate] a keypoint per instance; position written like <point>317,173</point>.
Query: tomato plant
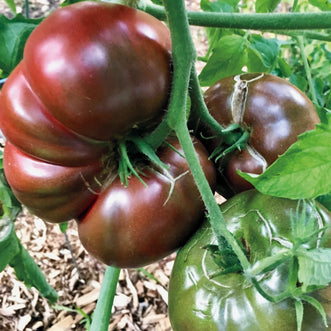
<point>136,225</point>
<point>208,291</point>
<point>271,110</point>
<point>101,86</point>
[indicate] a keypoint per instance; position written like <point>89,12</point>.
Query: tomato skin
<point>228,302</point>
<point>28,125</point>
<point>274,113</point>
<point>53,192</point>
<point>108,69</point>
<point>132,226</point>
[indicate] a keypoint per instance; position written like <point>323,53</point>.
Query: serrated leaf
<point>324,5</point>
<point>266,6</point>
<point>228,58</point>
<point>314,267</point>
<point>27,270</point>
<point>303,171</point>
<point>13,35</point>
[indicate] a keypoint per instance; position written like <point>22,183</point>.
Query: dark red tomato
<point>100,68</point>
<point>91,73</point>
<point>53,192</point>
<point>272,110</point>
<point>137,225</point>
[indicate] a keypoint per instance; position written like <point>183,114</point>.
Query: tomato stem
<point>199,109</point>
<point>253,21</point>
<point>184,56</point>
<point>102,312</point>
<point>125,165</point>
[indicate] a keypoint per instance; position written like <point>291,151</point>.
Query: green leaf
<point>255,61</point>
<point>325,200</point>
<point>324,5</point>
<point>284,67</point>
<point>70,2</point>
<point>10,205</point>
<point>317,305</point>
<point>9,246</point>
<point>314,267</point>
<point>299,81</point>
<point>5,195</point>
<point>225,6</point>
<point>27,270</point>
<point>13,36</point>
<point>267,48</point>
<point>303,171</point>
<point>262,54</point>
<point>63,227</point>
<point>228,58</point>
<point>265,6</point>
<point>318,85</point>
<point>11,4</point>
<point>299,313</point>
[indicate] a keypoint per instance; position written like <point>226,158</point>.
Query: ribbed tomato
<point>91,74</point>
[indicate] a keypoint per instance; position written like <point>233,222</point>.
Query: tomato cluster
<point>92,75</point>
<point>97,76</point>
<point>209,290</point>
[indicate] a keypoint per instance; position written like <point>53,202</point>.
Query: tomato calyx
<point>135,154</point>
<point>225,258</point>
<point>233,138</point>
<point>301,254</point>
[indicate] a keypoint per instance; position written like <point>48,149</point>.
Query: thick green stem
<point>199,108</point>
<point>102,312</point>
<point>183,60</point>
<point>260,21</point>
<point>156,138</point>
<point>215,216</point>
